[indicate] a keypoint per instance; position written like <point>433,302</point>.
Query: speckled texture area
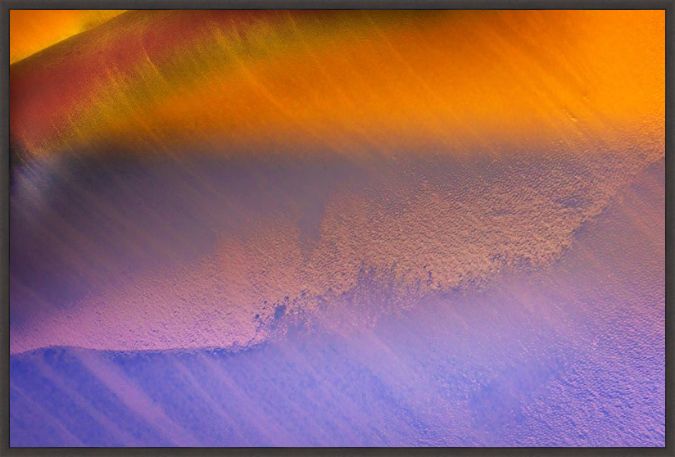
<point>572,355</point>
<point>336,229</point>
<point>430,225</point>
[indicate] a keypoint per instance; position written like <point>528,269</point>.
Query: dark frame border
<point>6,5</point>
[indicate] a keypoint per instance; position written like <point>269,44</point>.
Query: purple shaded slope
<point>570,355</point>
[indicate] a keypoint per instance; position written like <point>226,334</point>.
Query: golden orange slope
<point>34,30</point>
<point>365,80</point>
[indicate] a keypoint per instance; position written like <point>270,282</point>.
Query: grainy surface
<point>354,228</point>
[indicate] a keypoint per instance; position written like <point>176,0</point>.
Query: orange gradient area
<point>349,81</point>
<point>34,30</point>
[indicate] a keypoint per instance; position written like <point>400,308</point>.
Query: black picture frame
<point>7,5</point>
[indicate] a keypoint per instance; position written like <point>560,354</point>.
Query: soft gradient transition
<point>337,228</point>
